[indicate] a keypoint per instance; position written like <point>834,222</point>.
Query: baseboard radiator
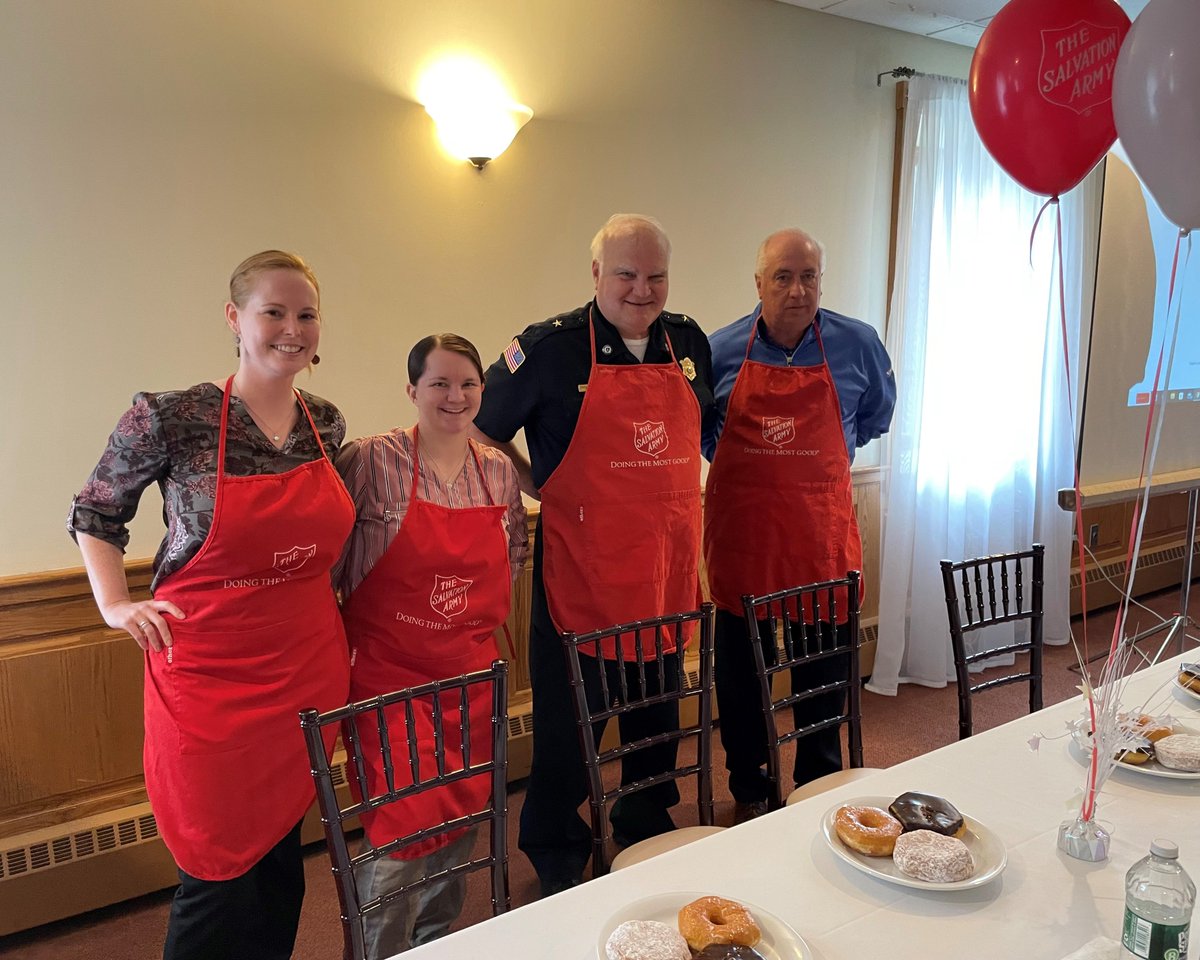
<point>1155,571</point>
<point>59,872</point>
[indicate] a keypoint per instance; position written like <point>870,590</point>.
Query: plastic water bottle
<point>1159,896</point>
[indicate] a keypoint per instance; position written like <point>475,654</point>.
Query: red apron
<point>429,610</point>
<point>778,508</point>
<point>621,512</point>
<point>226,767</point>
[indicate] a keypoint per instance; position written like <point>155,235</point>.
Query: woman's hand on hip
<point>144,620</point>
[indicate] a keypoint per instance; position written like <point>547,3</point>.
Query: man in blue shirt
<point>797,390</point>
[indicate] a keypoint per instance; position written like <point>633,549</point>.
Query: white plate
<point>1151,768</point>
<point>779,941</point>
<point>986,848</point>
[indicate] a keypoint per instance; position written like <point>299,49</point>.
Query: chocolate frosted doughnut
<point>920,811</point>
<point>728,951</point>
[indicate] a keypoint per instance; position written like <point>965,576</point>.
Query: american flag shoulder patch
<point>514,356</point>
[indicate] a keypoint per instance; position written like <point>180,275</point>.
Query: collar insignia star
<point>558,323</point>
<point>688,368</point>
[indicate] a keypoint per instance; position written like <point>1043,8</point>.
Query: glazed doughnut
<point>1189,676</point>
<point>1135,756</point>
<point>1180,751</point>
<point>1151,728</point>
<point>920,811</point>
<point>712,920</point>
<point>868,830</point>
<point>933,857</point>
<point>646,940</point>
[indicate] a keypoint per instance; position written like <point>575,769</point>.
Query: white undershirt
<point>638,347</point>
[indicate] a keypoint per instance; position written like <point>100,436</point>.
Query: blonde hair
<point>623,223</point>
<point>241,283</point>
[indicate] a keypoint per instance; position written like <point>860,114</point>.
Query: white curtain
<point>982,438</point>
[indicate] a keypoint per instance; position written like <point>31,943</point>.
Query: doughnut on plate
<point>1081,740</point>
<point>1188,692</point>
<point>779,941</point>
<point>987,850</point>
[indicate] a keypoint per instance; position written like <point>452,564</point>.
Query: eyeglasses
<point>809,279</point>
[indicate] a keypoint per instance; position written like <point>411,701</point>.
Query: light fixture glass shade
<point>478,130</point>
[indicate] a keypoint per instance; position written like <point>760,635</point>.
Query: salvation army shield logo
<point>650,437</point>
<point>288,562</point>
<point>1077,65</point>
<point>779,430</point>
<point>449,596</point>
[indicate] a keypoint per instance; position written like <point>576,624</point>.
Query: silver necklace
<point>261,422</point>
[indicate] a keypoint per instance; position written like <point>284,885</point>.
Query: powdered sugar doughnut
<point>932,857</point>
<point>646,940</point>
<point>1179,751</point>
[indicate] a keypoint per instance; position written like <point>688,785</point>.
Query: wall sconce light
<point>475,118</point>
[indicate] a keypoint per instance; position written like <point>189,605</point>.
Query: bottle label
<point>1154,941</point>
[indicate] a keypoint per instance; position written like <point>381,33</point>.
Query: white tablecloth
<point>1044,906</point>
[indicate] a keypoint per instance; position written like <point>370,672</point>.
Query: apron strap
<point>470,448</point>
<point>592,335</point>
<point>754,333</point>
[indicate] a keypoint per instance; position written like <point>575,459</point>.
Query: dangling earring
<point>316,359</point>
<point>237,344</point>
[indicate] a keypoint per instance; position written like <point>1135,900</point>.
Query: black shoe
<point>553,885</point>
<point>630,831</point>
<point>748,810</point>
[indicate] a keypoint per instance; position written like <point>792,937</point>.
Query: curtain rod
<point>907,73</point>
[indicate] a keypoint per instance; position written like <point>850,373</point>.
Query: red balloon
<point>1041,89</point>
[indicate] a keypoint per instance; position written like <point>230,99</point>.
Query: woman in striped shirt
<point>426,581</point>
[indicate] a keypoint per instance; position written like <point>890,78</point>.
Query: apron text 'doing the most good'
<point>226,767</point>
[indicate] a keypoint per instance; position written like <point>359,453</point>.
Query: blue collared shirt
<point>858,363</point>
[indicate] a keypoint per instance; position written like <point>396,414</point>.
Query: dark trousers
<point>739,705</point>
<point>253,916</point>
<point>555,838</point>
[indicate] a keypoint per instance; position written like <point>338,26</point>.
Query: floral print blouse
<point>171,439</point>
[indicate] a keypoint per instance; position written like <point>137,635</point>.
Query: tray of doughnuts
<point>916,840</point>
<point>697,926</point>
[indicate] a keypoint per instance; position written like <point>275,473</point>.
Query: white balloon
<point>1156,105</point>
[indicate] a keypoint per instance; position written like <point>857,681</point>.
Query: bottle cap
<point>1167,849</point>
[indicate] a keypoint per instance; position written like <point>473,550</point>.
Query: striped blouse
<point>378,472</point>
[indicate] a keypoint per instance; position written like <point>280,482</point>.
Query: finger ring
<point>143,624</point>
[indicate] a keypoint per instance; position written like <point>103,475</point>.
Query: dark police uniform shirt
<point>537,383</point>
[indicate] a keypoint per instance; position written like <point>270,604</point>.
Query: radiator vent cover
<point>1116,570</point>
<point>94,841</point>
<point>77,846</point>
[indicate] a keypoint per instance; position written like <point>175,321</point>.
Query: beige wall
<point>146,147</point>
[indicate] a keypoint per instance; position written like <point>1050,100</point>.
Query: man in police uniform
<point>798,389</point>
<point>624,385</point>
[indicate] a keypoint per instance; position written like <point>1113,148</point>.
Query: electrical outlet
<point>1094,535</point>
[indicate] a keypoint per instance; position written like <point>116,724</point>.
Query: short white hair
<point>620,224</point>
<point>760,261</point>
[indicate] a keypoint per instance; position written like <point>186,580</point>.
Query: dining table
<point>1016,783</point>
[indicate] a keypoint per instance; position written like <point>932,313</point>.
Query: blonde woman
<point>242,630</point>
